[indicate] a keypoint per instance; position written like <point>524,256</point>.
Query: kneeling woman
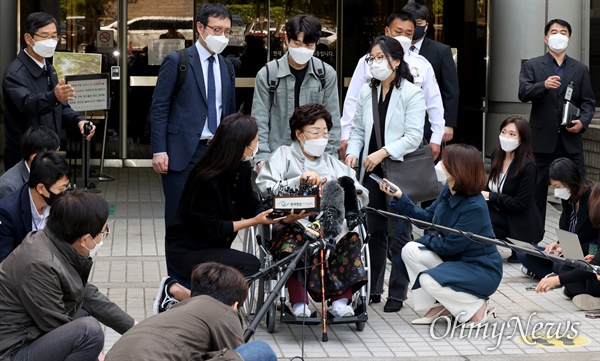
<point>304,161</point>
<point>450,273</point>
<point>217,202</point>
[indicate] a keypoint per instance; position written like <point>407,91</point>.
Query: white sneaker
<point>527,272</point>
<point>347,311</point>
<point>302,310</point>
<point>164,299</point>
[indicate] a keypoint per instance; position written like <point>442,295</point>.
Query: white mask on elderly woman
<point>314,147</point>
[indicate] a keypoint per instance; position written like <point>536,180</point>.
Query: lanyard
<point>35,225</point>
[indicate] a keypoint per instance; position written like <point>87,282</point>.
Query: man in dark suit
<point>442,62</point>
<point>33,94</point>
<point>48,180</point>
<point>548,81</point>
<point>183,126</point>
<point>35,140</point>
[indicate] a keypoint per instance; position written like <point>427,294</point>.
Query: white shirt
<point>418,46</point>
<point>41,65</point>
<point>424,76</point>
<point>204,55</point>
<point>38,221</point>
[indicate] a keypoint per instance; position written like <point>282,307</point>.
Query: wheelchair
<point>254,241</point>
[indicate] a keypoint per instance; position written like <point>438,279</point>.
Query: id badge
<point>569,92</point>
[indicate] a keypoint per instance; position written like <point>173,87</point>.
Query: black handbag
<point>415,175</point>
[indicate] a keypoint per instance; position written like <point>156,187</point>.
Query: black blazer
<point>15,220</point>
<point>216,204</point>
<point>517,204</point>
<point>584,229</point>
<point>547,105</point>
<point>30,101</point>
<point>440,57</point>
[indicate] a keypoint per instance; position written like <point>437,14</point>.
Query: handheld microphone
<point>332,208</point>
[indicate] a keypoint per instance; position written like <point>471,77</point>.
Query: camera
<point>87,128</point>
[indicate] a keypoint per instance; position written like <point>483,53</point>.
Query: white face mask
<point>562,193</point>
<point>216,44</point>
<point>508,144</point>
<point>300,55</point>
<point>95,249</point>
<point>45,48</point>
<point>254,151</point>
<point>381,71</point>
<point>315,147</point>
<point>405,42</point>
<point>440,174</point>
<point>558,42</point>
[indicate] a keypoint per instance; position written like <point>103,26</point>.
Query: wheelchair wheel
<point>271,316</point>
<point>255,291</point>
<point>360,325</point>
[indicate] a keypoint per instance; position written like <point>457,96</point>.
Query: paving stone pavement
<point>130,265</point>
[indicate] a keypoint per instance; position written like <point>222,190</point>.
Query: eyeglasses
<point>46,37</point>
<point>318,134</point>
<point>60,192</point>
<point>378,59</point>
<point>219,31</point>
<point>106,232</point>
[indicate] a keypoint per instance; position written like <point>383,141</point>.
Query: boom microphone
<point>332,208</point>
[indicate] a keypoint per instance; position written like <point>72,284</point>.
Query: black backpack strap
<point>182,66</point>
<point>272,80</point>
<point>319,68</point>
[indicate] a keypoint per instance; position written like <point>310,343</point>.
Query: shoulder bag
<point>415,175</point>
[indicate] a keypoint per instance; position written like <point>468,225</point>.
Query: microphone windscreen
<point>332,208</point>
<point>350,195</point>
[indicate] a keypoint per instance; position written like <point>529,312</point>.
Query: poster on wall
<point>76,64</point>
<point>159,48</point>
<point>91,91</point>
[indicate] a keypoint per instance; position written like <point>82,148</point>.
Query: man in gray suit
<point>35,140</point>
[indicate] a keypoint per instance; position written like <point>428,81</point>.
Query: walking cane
<point>323,304</point>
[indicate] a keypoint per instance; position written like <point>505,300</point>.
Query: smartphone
<point>276,215</point>
<point>593,315</point>
<point>378,179</point>
<point>530,288</point>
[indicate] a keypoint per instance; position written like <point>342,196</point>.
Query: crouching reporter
<point>45,297</point>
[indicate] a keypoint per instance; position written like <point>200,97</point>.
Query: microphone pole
<point>293,260</point>
<point>575,263</point>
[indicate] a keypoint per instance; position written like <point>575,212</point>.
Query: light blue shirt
<point>38,221</point>
<point>204,55</point>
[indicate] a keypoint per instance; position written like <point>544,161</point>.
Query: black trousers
<point>181,264</point>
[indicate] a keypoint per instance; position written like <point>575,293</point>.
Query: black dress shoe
<point>375,299</point>
<point>392,305</point>
<point>513,258</point>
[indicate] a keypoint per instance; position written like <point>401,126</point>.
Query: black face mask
<point>419,32</point>
<point>53,197</point>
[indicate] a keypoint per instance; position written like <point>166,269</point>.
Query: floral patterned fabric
<point>343,269</point>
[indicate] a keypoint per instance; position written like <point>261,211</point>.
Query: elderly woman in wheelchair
<point>304,163</point>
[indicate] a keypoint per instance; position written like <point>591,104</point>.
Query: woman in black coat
<point>581,285</point>
<point>574,190</point>
<point>218,201</point>
<point>511,186</point>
